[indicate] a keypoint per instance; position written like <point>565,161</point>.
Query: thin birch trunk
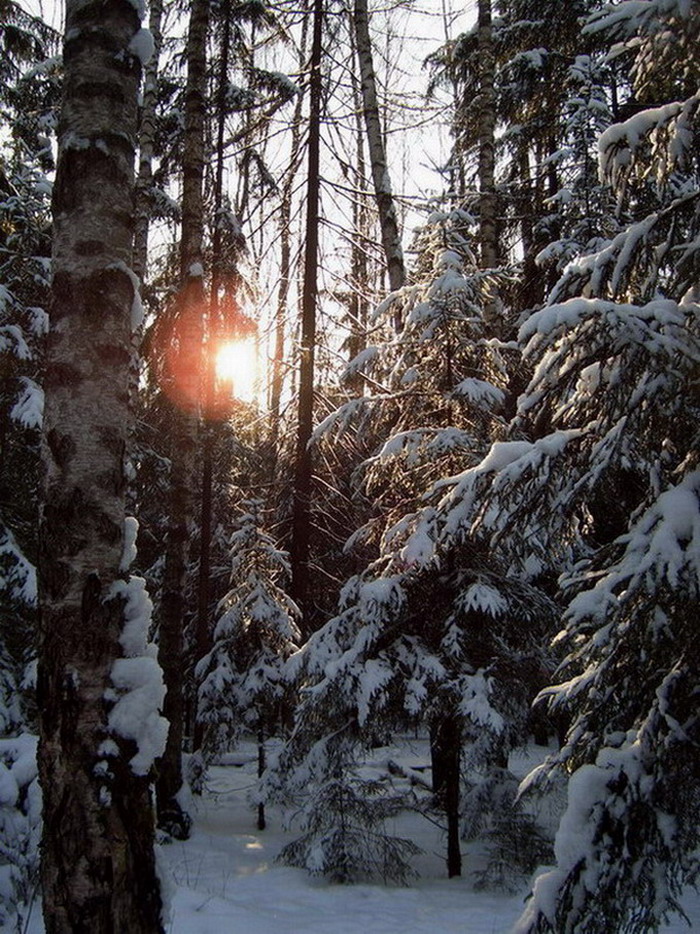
<point>98,870</point>
<point>171,815</point>
<point>143,196</point>
<point>488,219</point>
<point>388,223</point>
<point>359,280</point>
<point>144,178</point>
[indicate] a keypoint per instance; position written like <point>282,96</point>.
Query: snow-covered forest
<point>350,481</point>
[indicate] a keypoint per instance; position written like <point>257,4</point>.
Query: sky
<point>418,136</point>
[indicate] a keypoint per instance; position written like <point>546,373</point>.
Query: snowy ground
<point>224,880</point>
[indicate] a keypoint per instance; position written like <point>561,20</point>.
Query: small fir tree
<point>242,679</point>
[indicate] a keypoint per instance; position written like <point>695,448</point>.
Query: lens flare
<point>236,364</point>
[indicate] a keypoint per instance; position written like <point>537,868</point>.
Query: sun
<point>237,364</point>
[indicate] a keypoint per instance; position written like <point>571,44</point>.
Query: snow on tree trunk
<point>98,869</point>
<point>391,238</point>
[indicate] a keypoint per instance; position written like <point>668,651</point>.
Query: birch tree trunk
<point>488,227</point>
<point>187,375</point>
<point>391,238</point>
<point>488,219</point>
<point>144,176</point>
<point>359,277</point>
<point>98,872</point>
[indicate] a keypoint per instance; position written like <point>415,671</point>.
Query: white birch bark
<point>488,229</point>
<point>388,223</point>
<point>144,177</point>
<point>488,219</point>
<point>98,871</point>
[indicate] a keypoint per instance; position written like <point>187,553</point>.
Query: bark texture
<point>98,871</point>
<point>391,238</point>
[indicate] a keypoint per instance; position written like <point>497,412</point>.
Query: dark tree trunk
<point>203,640</point>
<point>98,869</point>
<point>532,289</point>
<point>285,265</point>
<point>445,752</point>
<point>203,637</point>
<point>553,186</point>
<point>261,769</point>
<point>171,816</point>
<point>301,517</point>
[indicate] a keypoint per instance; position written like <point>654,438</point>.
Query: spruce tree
<point>599,479</point>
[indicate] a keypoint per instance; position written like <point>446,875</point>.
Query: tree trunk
<point>532,287</point>
<point>203,640</point>
<point>445,751</point>
<point>147,128</point>
<point>143,199</point>
<point>261,769</point>
<point>358,283</point>
<point>553,185</point>
<point>391,238</point>
<point>488,218</point>
<point>98,870</point>
<point>301,517</point>
<point>458,185</point>
<point>202,637</point>
<point>285,263</point>
<point>171,816</point>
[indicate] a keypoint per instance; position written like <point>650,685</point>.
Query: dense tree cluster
<point>461,499</point>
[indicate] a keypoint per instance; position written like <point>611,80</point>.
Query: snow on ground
<point>224,880</point>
